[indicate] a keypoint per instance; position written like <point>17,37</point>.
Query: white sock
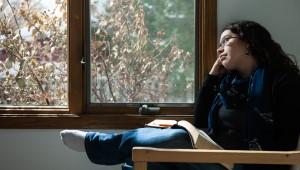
<point>73,139</point>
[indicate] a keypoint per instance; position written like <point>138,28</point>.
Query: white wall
<point>280,17</point>
<point>42,149</point>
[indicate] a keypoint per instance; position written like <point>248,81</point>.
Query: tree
<point>33,65</point>
<point>132,60</point>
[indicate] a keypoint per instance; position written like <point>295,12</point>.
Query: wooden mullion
<point>208,37</point>
<point>76,53</point>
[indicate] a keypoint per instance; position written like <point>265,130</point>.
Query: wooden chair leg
<point>140,165</point>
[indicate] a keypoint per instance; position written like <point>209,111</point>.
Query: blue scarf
<point>252,96</point>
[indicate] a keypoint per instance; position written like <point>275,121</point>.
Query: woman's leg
<point>108,148</point>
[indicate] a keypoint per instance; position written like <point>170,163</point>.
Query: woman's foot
<point>73,139</point>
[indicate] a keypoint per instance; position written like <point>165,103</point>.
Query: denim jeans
<point>115,148</point>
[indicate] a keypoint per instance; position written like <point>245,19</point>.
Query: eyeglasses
<point>226,40</point>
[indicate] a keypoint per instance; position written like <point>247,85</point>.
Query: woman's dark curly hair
<point>266,51</point>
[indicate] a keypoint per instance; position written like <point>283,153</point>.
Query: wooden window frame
<point>77,116</point>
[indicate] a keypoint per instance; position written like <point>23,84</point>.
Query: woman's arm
<point>204,101</point>
<point>207,94</point>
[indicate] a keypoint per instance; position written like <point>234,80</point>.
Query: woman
<point>248,101</point>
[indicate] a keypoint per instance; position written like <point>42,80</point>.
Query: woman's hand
<point>217,69</point>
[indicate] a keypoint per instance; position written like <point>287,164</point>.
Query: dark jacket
<point>285,107</point>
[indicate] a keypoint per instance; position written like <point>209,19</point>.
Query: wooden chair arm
<point>142,155</point>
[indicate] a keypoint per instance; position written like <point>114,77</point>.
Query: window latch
<point>82,61</point>
<point>146,110</point>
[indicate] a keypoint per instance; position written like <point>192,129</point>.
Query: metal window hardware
<point>82,61</point>
<point>146,110</point>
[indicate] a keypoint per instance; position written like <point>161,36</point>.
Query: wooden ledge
<point>81,121</point>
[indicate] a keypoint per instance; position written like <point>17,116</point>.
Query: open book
<point>199,138</point>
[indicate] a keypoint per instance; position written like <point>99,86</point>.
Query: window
<point>142,51</point>
<point>96,85</point>
<point>33,54</point>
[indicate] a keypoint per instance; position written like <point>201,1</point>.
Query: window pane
<point>33,53</point>
<point>142,51</point>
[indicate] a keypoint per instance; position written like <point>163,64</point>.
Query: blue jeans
<point>115,148</point>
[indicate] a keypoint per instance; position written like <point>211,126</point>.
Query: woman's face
<point>233,52</point>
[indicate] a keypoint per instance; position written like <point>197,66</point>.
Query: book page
<point>161,123</point>
<point>201,140</point>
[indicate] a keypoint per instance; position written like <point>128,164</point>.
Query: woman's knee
<point>167,138</point>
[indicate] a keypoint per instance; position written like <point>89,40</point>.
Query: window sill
<point>83,121</point>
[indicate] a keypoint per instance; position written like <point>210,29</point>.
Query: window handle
<point>146,110</point>
<point>82,61</point>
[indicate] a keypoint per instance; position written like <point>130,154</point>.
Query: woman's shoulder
<point>286,78</point>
